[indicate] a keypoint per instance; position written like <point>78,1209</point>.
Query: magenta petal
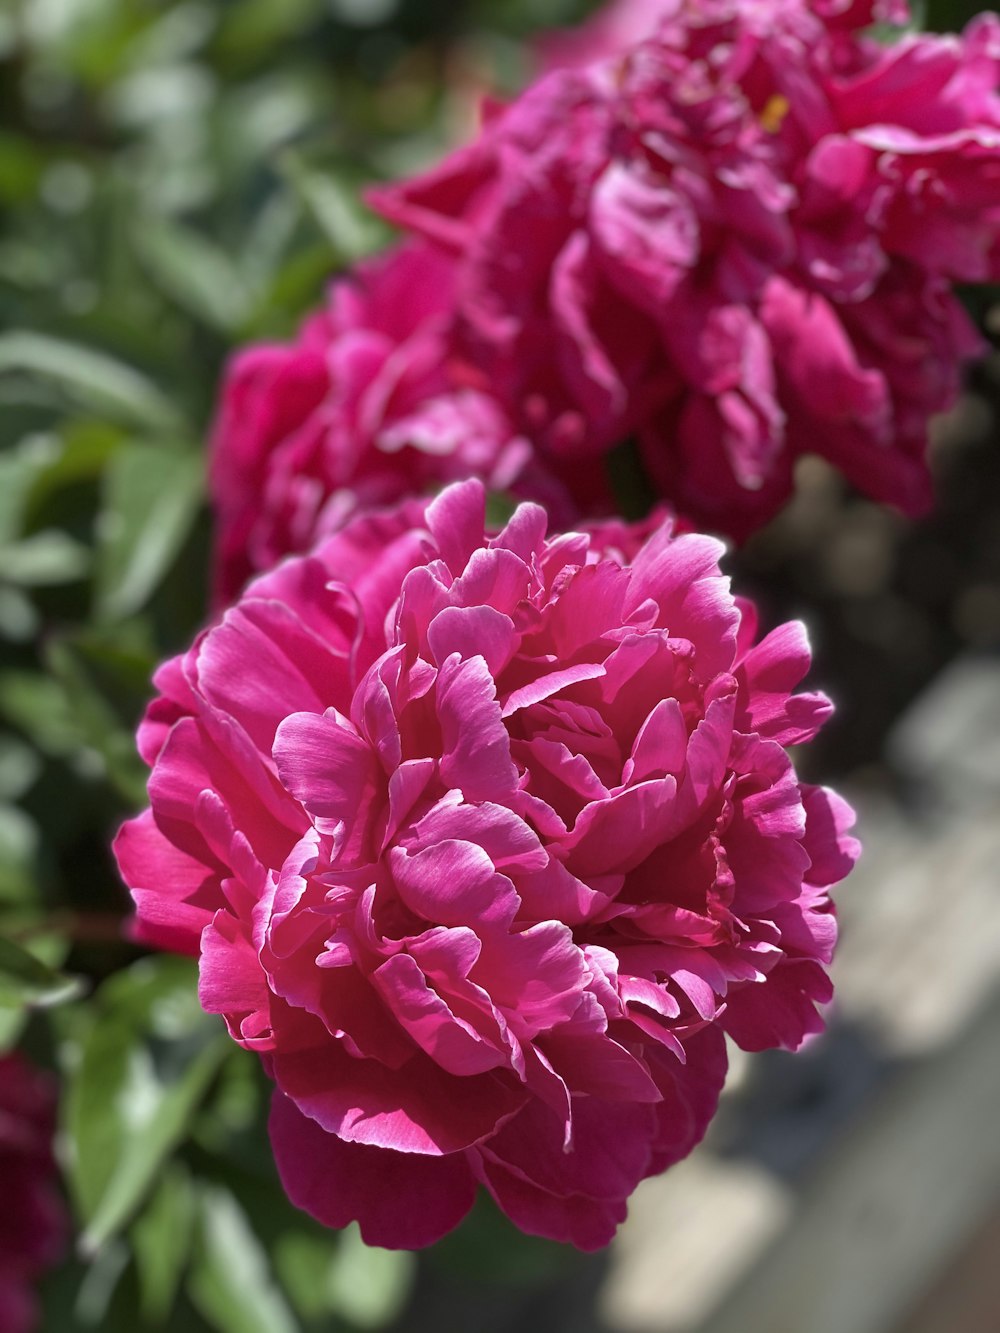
<point>780,1011</point>
<point>475,746</point>
<point>175,894</point>
<point>828,842</point>
<point>401,1201</point>
<point>456,519</point>
<point>474,631</point>
<point>327,766</point>
<point>648,236</point>
<point>768,675</point>
<point>598,1066</point>
<point>577,1196</point>
<point>293,669</point>
<point>232,982</point>
<point>508,841</point>
<point>454,883</point>
<point>447,1039</point>
<point>690,1094</point>
<point>538,975</point>
<point>417,1108</point>
<point>620,832</point>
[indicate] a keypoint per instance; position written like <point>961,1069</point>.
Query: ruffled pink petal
<point>401,1201</point>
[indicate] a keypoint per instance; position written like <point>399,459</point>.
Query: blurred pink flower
<point>484,843</point>
<point>734,240</point>
<point>361,409</point>
<point>32,1218</point>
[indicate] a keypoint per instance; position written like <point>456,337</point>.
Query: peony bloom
<point>734,240</point>
<point>361,409</point>
<point>484,843</point>
<point>32,1222</point>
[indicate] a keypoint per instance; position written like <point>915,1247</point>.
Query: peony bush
<point>464,840</point>
<point>484,844</point>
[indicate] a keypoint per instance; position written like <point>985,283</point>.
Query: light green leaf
<point>38,705</point>
<point>50,950</point>
<point>19,469</point>
<point>151,498</point>
<point>304,1262</point>
<point>352,230</point>
<point>369,1286</point>
<point>18,617</point>
<point>27,982</point>
<point>144,1068</point>
<point>89,377</point>
<point>79,454</point>
<point>92,1307</point>
<point>161,1239</point>
<point>105,746</point>
<point>44,558</point>
<point>231,1282</point>
<point>18,848</point>
<point>192,271</point>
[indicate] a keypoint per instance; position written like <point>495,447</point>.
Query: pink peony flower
<point>361,409</point>
<point>734,240</point>
<point>32,1219</point>
<point>484,843</point>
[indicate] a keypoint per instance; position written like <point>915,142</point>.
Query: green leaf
<point>194,273</point>
<point>161,1239</point>
<point>231,1282</point>
<point>151,498</point>
<point>90,378</point>
<point>49,950</point>
<point>44,558</point>
<point>21,167</point>
<point>352,230</point>
<point>97,1290</point>
<point>27,982</point>
<point>18,848</point>
<point>18,618</point>
<point>19,767</point>
<point>105,745</point>
<point>369,1286</point>
<point>19,468</point>
<point>78,455</point>
<point>144,1068</point>
<point>39,706</point>
<point>304,1262</point>
<point>293,289</point>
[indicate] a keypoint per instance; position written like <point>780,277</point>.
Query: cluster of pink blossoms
<point>728,231</point>
<point>734,241</point>
<point>32,1218</point>
<point>485,843</point>
<point>363,409</point>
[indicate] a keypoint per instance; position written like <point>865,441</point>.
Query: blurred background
<point>177,179</point>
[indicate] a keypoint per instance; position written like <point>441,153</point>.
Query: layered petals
<point>361,409</point>
<point>488,881</point>
<point>730,232</point>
